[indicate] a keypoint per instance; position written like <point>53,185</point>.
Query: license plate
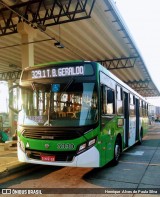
<point>47,157</point>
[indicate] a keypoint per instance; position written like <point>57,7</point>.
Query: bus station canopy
<point>89,30</point>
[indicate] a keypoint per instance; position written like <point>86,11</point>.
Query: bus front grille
<point>50,134</point>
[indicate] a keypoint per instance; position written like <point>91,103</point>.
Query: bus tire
<point>140,137</point>
<point>117,151</point>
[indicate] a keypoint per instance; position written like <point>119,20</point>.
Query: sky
<point>142,17</point>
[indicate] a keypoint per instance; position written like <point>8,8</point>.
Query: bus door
<point>137,119</point>
<point>126,117</point>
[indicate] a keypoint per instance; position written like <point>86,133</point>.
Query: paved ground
<point>9,162</point>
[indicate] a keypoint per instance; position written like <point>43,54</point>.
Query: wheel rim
<point>117,152</point>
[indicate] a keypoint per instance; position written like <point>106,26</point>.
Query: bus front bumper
<point>89,158</point>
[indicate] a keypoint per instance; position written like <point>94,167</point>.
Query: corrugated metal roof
<point>102,37</point>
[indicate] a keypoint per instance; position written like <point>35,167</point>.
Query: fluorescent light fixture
<point>59,45</point>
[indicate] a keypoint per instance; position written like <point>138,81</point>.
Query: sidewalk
<point>8,161</point>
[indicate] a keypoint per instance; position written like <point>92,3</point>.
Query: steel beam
<point>138,85</point>
<point>148,92</point>
<point>143,88</point>
<point>43,13</point>
<point>119,63</point>
<point>14,75</point>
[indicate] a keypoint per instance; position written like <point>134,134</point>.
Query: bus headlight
<point>87,145</point>
<point>82,147</point>
<point>92,142</point>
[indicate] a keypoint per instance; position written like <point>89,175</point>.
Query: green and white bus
<point>76,113</point>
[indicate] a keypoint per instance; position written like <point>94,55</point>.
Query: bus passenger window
<point>146,109</point>
<point>143,108</point>
<point>108,99</point>
<point>110,102</point>
<point>119,100</point>
<point>104,99</point>
<point>132,105</point>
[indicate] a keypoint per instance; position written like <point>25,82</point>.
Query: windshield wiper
<point>67,86</point>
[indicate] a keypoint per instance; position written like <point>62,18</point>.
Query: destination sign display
<point>56,71</point>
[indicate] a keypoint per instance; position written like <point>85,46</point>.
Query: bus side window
<point>119,100</point>
<point>140,108</point>
<point>132,105</point>
<point>146,109</point>
<point>104,99</point>
<point>143,109</point>
<point>108,100</point>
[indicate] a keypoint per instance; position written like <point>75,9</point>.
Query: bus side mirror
<point>14,98</point>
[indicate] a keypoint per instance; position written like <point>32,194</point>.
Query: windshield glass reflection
<point>68,104</point>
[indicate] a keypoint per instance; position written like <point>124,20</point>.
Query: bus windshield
<point>64,104</point>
